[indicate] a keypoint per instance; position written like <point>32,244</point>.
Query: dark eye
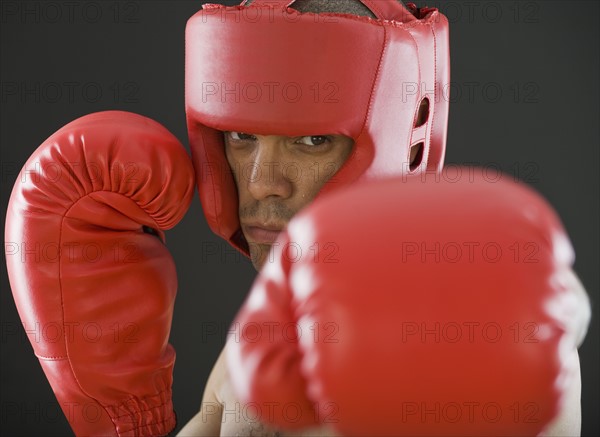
<point>315,140</point>
<point>240,136</point>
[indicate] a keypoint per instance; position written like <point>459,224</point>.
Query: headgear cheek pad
<point>267,69</point>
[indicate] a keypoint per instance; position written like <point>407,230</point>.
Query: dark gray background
<point>541,56</point>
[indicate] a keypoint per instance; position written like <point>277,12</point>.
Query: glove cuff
<point>149,416</point>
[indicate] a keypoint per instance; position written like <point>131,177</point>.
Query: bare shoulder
<point>568,421</point>
<point>218,379</point>
<point>208,420</point>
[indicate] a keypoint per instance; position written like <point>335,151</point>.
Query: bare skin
<point>276,177</point>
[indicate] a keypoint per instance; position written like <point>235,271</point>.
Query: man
<point>417,152</point>
<point>331,129</point>
<point>268,195</point>
<point>287,172</point>
<point>266,206</point>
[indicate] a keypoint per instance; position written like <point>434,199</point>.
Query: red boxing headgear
<point>267,69</point>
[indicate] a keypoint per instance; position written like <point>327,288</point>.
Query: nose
<point>267,177</point>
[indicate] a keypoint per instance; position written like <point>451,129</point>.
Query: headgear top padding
<point>250,69</point>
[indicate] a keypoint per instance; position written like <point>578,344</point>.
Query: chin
<point>259,255</point>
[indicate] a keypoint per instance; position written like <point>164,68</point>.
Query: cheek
<point>313,176</point>
<point>236,167</point>
<point>324,169</point>
<point>232,161</point>
<point>328,166</point>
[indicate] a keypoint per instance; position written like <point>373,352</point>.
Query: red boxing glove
<point>93,281</point>
<point>411,308</point>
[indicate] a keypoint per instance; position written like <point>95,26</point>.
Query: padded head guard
<point>268,69</point>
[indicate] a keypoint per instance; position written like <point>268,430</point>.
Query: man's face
<point>276,176</point>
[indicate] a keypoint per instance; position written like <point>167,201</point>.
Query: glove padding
<point>93,281</point>
<point>411,308</point>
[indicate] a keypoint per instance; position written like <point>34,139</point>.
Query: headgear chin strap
<point>268,69</point>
